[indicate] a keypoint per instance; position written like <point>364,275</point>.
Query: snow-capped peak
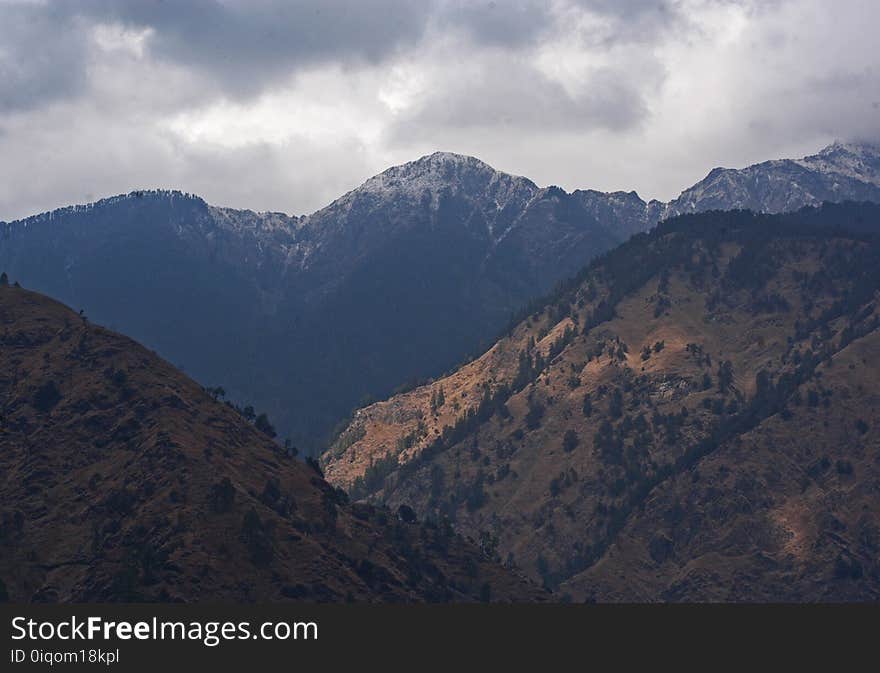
<point>858,161</point>
<point>430,177</point>
<point>439,170</point>
<point>840,172</point>
<point>861,149</point>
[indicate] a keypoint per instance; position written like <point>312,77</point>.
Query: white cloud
<point>274,109</point>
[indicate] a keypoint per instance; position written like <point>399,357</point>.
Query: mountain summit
<point>448,172</point>
<point>840,172</point>
<point>423,194</point>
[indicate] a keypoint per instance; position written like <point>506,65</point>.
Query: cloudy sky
<point>275,105</point>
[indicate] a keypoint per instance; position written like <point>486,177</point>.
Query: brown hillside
<point>673,426</point>
<point>121,479</point>
<point>785,511</point>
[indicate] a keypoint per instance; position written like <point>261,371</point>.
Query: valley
<point>122,480</point>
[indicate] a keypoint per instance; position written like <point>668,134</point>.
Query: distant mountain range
<point>398,280</point>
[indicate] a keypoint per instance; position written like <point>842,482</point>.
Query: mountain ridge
<point>780,185</point>
<point>433,172</point>
<point>845,159</point>
<point>277,307</point>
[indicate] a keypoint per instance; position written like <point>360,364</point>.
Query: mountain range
<point>397,281</point>
<point>690,416</point>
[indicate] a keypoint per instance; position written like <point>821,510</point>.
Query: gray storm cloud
<point>246,45</point>
<point>283,105</point>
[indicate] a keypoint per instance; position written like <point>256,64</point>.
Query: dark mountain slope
<point>121,480</point>
<point>399,279</point>
<point>161,267</point>
<point>630,397</point>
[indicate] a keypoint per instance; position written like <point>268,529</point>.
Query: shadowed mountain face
<point>398,280</point>
<point>692,418</point>
<point>303,317</point>
<point>123,480</point>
